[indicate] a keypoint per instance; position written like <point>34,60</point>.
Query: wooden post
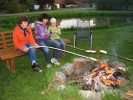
<point>12,67</point>
<point>10,64</point>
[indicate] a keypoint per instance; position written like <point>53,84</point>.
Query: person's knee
<point>57,45</point>
<point>32,50</point>
<point>63,43</point>
<point>45,50</point>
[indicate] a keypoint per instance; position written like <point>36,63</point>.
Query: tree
<point>43,3</point>
<point>27,4</point>
<point>113,4</point>
<point>13,6</point>
<point>2,4</point>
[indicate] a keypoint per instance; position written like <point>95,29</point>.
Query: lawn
<point>27,85</point>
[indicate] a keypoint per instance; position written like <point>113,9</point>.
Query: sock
<point>33,62</point>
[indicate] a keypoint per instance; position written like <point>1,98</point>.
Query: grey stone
<point>68,69</point>
<point>91,95</point>
<point>61,76</point>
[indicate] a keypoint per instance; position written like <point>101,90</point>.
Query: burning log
<point>102,74</point>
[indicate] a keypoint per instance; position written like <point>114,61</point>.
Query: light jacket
<point>55,35</point>
<point>41,32</point>
<point>19,38</point>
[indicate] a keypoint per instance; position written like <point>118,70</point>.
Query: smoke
<point>114,51</point>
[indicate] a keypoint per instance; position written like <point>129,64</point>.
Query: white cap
<point>52,20</point>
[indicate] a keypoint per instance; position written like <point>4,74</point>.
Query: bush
<point>53,7</point>
<point>13,6</point>
<point>113,4</point>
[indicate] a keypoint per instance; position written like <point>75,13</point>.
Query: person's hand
<point>54,31</point>
<point>51,38</point>
<point>26,49</point>
<point>36,45</point>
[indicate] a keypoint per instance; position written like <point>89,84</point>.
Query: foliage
<point>43,3</point>
<point>27,5</point>
<point>113,4</point>
<point>53,7</point>
<point>73,14</point>
<point>2,4</point>
<point>13,6</point>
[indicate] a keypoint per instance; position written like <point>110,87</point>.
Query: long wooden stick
<point>118,56</point>
<point>67,52</point>
<point>89,51</point>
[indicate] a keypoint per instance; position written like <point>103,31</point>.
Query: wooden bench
<point>7,52</point>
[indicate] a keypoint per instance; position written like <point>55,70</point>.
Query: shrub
<point>13,6</point>
<point>113,4</point>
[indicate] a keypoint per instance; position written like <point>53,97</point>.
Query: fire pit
<point>91,75</point>
<point>94,75</point>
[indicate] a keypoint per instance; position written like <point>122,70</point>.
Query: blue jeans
<point>62,44</point>
<point>46,50</point>
<point>31,52</point>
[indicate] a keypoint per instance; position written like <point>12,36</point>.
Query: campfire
<point>90,75</point>
<point>93,75</point>
<point>103,73</point>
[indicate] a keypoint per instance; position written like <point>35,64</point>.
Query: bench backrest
<point>6,39</point>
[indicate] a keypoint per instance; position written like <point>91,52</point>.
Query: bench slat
<point>1,42</point>
<point>9,53</point>
<point>1,47</point>
<point>8,36</point>
<point>10,45</point>
<point>8,40</point>
<point>6,32</point>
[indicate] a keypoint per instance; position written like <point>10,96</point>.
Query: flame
<point>104,74</point>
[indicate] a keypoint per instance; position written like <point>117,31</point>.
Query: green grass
<point>27,85</point>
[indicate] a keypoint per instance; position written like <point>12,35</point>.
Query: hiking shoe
<point>55,61</point>
<point>35,65</point>
<point>36,68</point>
<point>49,65</point>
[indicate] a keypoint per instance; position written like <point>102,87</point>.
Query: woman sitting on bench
<point>23,39</point>
<point>43,38</point>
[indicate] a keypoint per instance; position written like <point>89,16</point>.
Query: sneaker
<point>35,65</point>
<point>36,68</point>
<point>55,61</point>
<point>49,65</point>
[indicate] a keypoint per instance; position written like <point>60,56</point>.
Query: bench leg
<point>10,64</point>
<point>7,62</point>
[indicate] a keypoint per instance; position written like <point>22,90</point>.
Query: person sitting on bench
<point>23,39</point>
<point>56,32</point>
<point>43,38</point>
